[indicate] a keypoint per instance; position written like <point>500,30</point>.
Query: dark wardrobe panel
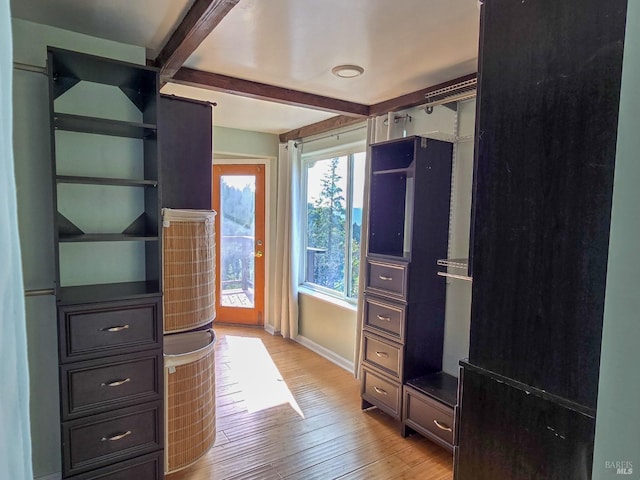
<point>186,151</point>
<point>549,77</point>
<point>509,433</point>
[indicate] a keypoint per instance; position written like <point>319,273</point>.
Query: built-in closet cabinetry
<point>549,81</point>
<point>185,128</point>
<point>108,281</point>
<point>404,302</point>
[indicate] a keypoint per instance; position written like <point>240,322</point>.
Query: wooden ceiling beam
<point>320,127</point>
<point>263,91</point>
<point>412,99</point>
<point>200,20</point>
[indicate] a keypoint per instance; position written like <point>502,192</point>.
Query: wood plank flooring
<point>284,412</point>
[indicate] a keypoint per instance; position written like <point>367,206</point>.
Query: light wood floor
<point>284,412</point>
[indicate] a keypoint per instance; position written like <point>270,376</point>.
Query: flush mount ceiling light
<point>347,71</point>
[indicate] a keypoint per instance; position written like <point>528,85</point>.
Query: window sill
<point>327,298</point>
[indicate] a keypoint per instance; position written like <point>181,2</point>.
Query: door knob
<point>259,253</point>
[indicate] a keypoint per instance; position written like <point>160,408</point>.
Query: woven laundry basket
<point>189,270</point>
<point>190,397</point>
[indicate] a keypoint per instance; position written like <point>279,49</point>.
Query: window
<point>334,193</point>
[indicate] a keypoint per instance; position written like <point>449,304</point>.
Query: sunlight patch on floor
<point>260,381</point>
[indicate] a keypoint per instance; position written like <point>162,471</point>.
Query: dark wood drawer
<point>428,417</point>
<point>383,354</point>
<point>107,438</point>
<point>95,386</point>
<point>385,318</point>
<point>382,392</point>
<point>145,467</point>
<point>387,278</point>
<point>101,329</point>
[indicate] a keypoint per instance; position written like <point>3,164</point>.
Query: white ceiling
<point>403,45</point>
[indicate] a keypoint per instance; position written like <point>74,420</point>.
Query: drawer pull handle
<point>381,391</point>
<point>115,438</point>
<point>382,354</point>
<point>384,318</point>
<point>115,383</point>
<point>119,328</point>
<point>385,278</point>
<point>442,426</point>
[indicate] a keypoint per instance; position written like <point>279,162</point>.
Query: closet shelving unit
<point>403,327</point>
<point>108,273</point>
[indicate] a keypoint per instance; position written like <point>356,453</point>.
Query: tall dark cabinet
<point>108,281</point>
<point>549,80</point>
<point>403,325</point>
<point>186,141</point>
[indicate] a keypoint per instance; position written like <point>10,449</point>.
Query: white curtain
<point>15,438</point>
<point>364,248</point>
<point>287,242</point>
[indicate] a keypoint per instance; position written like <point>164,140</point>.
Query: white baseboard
<point>53,476</point>
<point>269,329</point>
<point>325,352</point>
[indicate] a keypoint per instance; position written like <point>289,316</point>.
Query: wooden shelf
<point>106,237</point>
<point>107,292</point>
<point>102,126</point>
<point>441,386</point>
<point>122,182</point>
<point>82,66</point>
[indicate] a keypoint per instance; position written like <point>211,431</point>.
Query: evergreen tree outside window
<point>334,195</point>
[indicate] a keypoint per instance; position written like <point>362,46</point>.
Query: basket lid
<point>181,347</point>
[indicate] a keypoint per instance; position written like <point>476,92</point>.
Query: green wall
<point>33,182</point>
<point>329,324</point>
<point>235,142</point>
<point>618,417</point>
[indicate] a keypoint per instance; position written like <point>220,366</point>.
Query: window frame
<point>327,154</point>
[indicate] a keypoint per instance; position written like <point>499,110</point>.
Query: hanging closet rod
<point>174,96</point>
<point>302,142</point>
<point>39,292</point>
<point>30,68</point>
